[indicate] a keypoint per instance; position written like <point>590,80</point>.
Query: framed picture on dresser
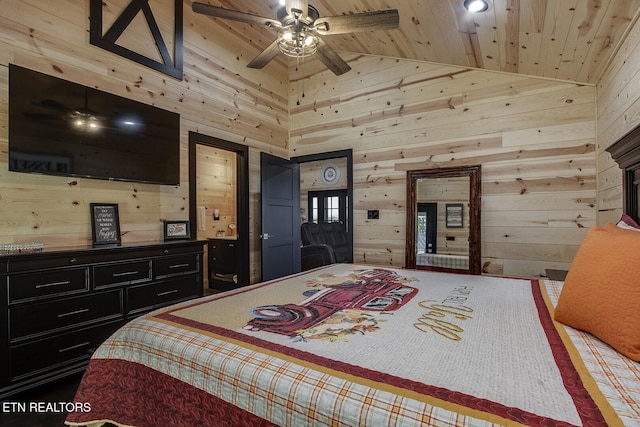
<point>176,230</point>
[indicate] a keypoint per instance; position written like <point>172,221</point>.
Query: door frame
<point>348,153</point>
<point>242,194</point>
<point>475,200</point>
<point>271,201</point>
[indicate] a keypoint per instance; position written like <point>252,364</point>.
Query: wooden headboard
<point>626,152</point>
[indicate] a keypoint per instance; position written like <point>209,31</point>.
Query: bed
<point>360,345</point>
<point>457,262</point>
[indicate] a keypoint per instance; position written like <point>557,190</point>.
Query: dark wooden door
<point>280,216</point>
<point>427,228</point>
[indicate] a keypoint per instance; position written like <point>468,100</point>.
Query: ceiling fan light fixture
<point>297,41</point>
<point>85,122</point>
<point>300,30</point>
<point>476,6</point>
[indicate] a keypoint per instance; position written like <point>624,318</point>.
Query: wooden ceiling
<point>561,39</point>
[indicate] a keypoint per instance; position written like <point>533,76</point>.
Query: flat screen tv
<point>57,127</point>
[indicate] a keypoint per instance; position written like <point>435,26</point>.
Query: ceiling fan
<point>300,30</point>
<point>81,118</point>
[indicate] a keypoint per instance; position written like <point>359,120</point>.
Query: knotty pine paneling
<point>618,112</point>
<point>219,96</point>
<point>535,140</point>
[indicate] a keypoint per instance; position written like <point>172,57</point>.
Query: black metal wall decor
<point>108,40</point>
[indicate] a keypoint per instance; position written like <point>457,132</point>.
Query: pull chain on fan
<point>300,72</point>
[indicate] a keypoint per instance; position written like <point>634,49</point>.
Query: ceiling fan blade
<point>367,21</point>
<point>297,5</point>
<point>52,104</point>
<point>331,59</point>
<point>265,56</point>
<point>41,116</point>
<point>234,15</point>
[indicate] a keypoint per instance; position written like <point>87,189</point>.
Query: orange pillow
<point>601,293</point>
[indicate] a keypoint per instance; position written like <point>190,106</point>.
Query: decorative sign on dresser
<point>105,224</point>
<point>59,305</point>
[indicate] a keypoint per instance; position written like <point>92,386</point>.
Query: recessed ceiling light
<point>476,6</point>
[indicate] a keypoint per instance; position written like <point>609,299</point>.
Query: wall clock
<point>330,174</point>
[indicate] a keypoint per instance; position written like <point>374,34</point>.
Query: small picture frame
<point>176,230</point>
<point>454,215</point>
<point>105,224</point>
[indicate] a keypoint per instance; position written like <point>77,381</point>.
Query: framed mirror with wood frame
<point>413,178</point>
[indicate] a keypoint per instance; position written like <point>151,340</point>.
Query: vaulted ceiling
<point>561,39</point>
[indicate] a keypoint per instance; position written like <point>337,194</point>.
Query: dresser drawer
<point>121,273</point>
<point>176,265</point>
<point>44,317</point>
<point>54,352</point>
<point>43,261</point>
<point>147,297</point>
<point>50,283</point>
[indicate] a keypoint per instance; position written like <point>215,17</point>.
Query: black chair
<point>313,256</point>
<point>323,243</point>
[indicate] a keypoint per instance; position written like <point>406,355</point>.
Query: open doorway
<point>326,190</point>
<point>219,208</point>
<point>331,170</point>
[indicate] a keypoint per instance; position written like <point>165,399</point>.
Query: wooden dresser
<point>58,306</point>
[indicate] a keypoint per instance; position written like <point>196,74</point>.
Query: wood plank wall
<point>219,97</point>
<point>535,140</point>
<point>618,112</point>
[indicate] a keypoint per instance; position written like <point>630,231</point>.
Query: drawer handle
<point>161,294</point>
<point>71,313</point>
<point>46,285</point>
<point>73,347</point>
<point>179,265</point>
<point>125,273</point>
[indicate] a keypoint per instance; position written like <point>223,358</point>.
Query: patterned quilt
<point>356,345</point>
<point>443,261</point>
